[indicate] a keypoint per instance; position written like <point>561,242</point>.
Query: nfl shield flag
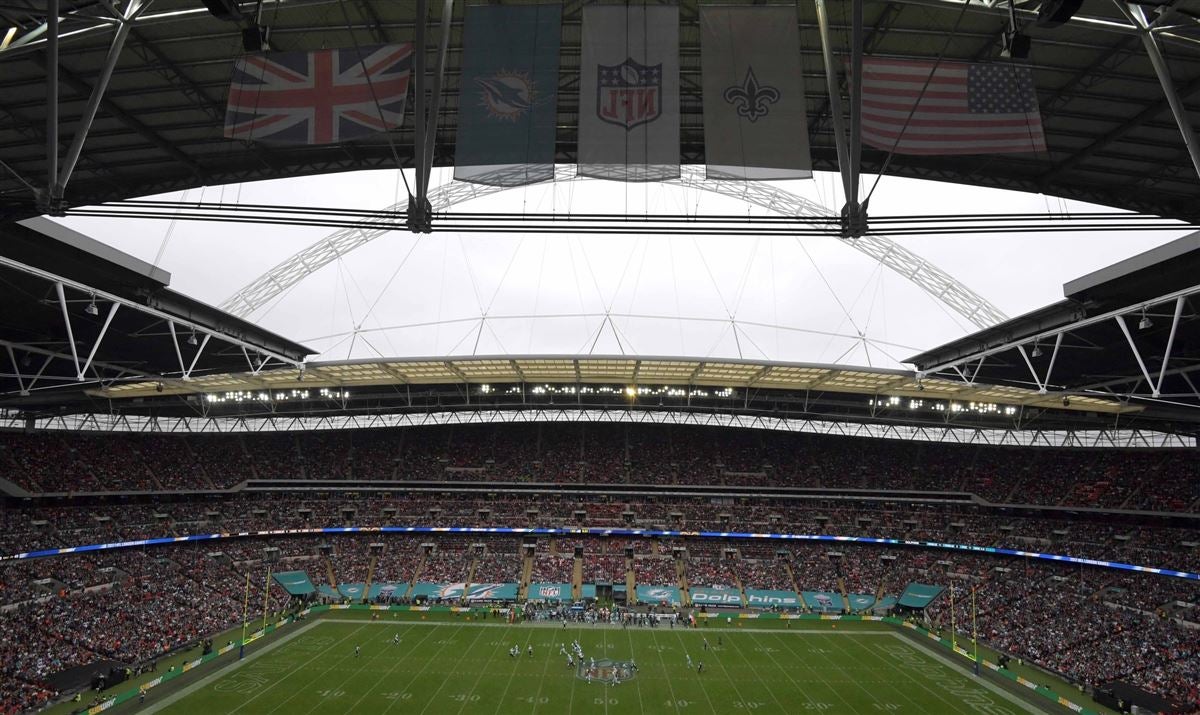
<point>629,96</point>
<point>509,94</point>
<point>754,113</point>
<point>321,97</point>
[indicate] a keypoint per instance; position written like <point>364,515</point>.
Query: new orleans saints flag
<point>629,93</point>
<point>754,119</point>
<point>509,94</point>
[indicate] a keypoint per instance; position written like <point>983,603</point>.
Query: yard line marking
<point>801,662</point>
<point>945,659</point>
<point>699,681</point>
<point>637,688</point>
<point>293,671</point>
<point>401,659</point>
<point>957,706</point>
<point>227,669</point>
<point>428,660</point>
<point>670,687</point>
<point>545,672</point>
<point>482,669</point>
<point>336,663</point>
<point>733,640</point>
<point>504,693</point>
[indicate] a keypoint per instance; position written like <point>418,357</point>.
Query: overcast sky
<point>793,299</point>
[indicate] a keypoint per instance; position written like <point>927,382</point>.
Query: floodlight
<point>1037,351</point>
<point>1066,401</point>
<point>91,308</point>
<point>1145,322</point>
<point>192,339</point>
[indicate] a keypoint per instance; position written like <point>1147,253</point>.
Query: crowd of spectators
<point>1165,480</point>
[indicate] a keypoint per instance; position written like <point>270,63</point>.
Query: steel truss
<point>1155,363</point>
<point>911,266</point>
<point>42,363</point>
<point>1089,439</point>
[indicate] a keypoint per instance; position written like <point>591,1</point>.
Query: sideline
<point>222,672</point>
<point>557,625</point>
<point>1023,705</point>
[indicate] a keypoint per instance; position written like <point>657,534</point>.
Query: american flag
<point>320,97</point>
<point>965,109</point>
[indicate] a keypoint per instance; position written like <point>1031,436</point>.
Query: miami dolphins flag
<point>754,118</point>
<point>629,93</point>
<point>509,94</point>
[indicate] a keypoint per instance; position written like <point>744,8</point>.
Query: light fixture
<point>1066,401</point>
<point>192,339</point>
<point>1145,322</point>
<point>91,308</point>
<point>1037,351</point>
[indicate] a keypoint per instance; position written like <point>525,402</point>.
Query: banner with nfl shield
<point>629,93</point>
<point>753,93</point>
<point>509,95</point>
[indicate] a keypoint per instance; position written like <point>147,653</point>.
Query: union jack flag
<point>320,97</point>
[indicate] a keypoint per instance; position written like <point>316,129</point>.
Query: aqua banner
<point>352,591</point>
<point>822,601</point>
<point>327,591</point>
<point>550,592</point>
<point>587,590</point>
<point>861,601</point>
<point>757,598</point>
<point>707,596</point>
<point>659,594</point>
<point>919,595</point>
<point>475,592</point>
<point>295,583</point>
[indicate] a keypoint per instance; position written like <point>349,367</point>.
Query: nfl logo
<point>629,94</point>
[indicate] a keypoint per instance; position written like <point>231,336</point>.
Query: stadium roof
<point>78,313</point>
<point>1110,129</point>
<point>1130,331</point>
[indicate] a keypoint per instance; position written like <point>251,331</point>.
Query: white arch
<point>921,272</point>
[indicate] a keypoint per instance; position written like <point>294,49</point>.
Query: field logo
<point>606,671</point>
<point>628,94</point>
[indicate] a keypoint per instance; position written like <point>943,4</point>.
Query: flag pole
<point>245,617</point>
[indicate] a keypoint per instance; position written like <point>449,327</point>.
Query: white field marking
<point>336,663</point>
<point>226,670</point>
<point>545,671</point>
<point>699,682</point>
<point>670,687</point>
<point>449,676</point>
<point>481,671</point>
<point>428,661</point>
<point>516,664</point>
<point>357,670</point>
<point>637,688</point>
<point>733,646</point>
<point>411,652</point>
<point>956,706</point>
<point>945,659</point>
<point>706,652</point>
<point>837,692</point>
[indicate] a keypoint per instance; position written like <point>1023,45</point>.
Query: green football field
<point>466,668</point>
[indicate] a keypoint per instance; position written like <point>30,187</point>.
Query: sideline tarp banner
<point>629,93</point>
<point>659,594</point>
<point>755,123</point>
<point>760,598</point>
<point>509,97</point>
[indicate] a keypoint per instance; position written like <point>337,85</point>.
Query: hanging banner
<point>755,124</point>
<point>629,93</point>
<point>509,97</point>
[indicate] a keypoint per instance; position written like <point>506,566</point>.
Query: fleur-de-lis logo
<point>750,98</point>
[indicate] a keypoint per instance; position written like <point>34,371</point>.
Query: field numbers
<point>397,696</point>
<point>766,649</point>
<point>818,706</point>
<point>530,700</point>
<point>678,704</point>
<point>463,698</point>
<point>820,651</point>
<point>888,707</point>
<point>747,705</point>
<point>604,701</point>
<point>331,693</point>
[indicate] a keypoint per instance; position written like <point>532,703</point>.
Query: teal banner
<point>822,601</point>
<point>587,590</point>
<point>475,592</point>
<point>352,591</point>
<point>295,583</point>
<point>387,591</point>
<point>919,595</point>
<point>705,596</point>
<point>659,594</point>
<point>550,592</point>
<point>861,601</point>
<point>327,591</point>
<point>756,598</point>
<point>508,95</point>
